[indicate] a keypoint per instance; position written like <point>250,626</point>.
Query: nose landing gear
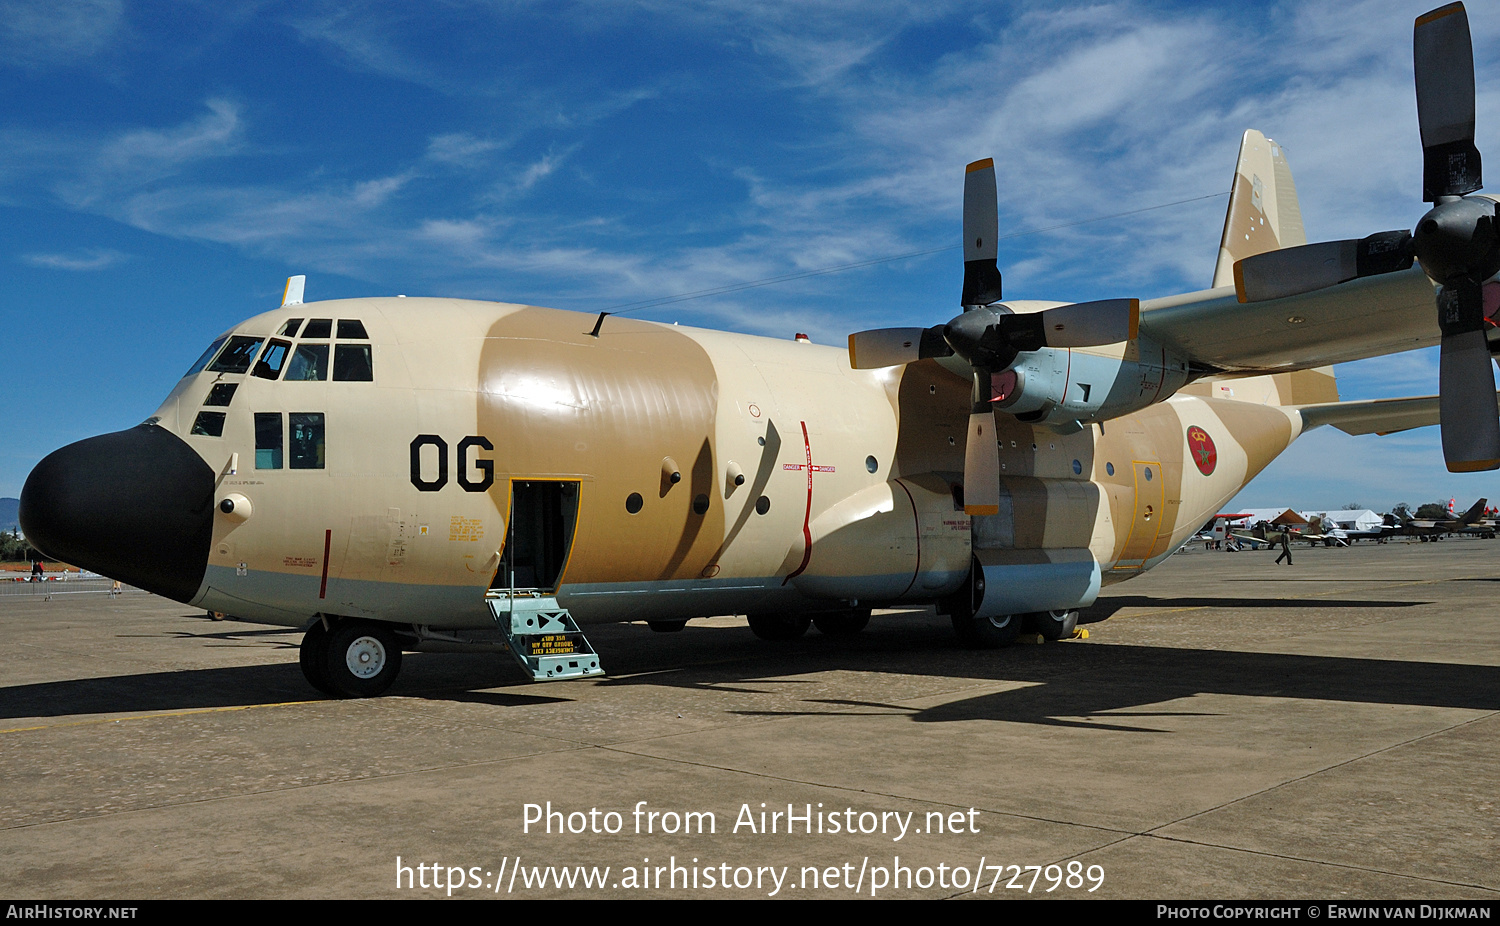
<point>353,659</point>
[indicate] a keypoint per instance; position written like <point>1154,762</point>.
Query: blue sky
<point>168,164</point>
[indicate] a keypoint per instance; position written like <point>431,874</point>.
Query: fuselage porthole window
<point>308,364</point>
<point>352,329</point>
<point>305,448</point>
<point>318,328</point>
<point>272,359</point>
<point>208,355</point>
<point>351,363</point>
<point>221,394</point>
<point>209,424</point>
<point>236,355</point>
<point>268,440</point>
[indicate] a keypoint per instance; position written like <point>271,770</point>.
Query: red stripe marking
<point>807,515</point>
<point>327,542</point>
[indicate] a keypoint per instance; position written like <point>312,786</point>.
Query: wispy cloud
<point>37,33</point>
<point>91,259</point>
<point>135,158</point>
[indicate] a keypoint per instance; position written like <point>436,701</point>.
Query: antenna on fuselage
<point>598,324</point>
<point>292,295</point>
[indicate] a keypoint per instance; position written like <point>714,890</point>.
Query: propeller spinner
<point>1457,243</point>
<point>990,338</point>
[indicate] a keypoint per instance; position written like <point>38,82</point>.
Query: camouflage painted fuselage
<point>849,482</point>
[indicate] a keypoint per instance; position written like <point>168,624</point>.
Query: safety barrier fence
<point>21,584</point>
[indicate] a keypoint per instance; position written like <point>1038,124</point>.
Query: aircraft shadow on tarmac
<point>1108,687</point>
<point>1107,607</point>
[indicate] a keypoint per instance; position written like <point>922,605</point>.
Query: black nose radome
<point>134,505</point>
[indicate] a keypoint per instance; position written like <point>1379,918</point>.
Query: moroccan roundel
<point>1201,447</point>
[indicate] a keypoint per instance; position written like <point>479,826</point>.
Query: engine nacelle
<point>1058,387</point>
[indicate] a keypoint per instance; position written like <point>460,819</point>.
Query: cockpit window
<point>352,329</point>
<point>270,363</point>
<point>319,328</point>
<point>310,362</point>
<point>351,363</point>
<point>236,356</point>
<point>207,356</point>
<point>209,424</point>
<point>289,330</point>
<point>268,440</point>
<point>221,394</point>
<point>305,449</point>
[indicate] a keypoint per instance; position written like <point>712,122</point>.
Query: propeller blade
<point>888,347</point>
<point>1089,324</point>
<point>1443,54</point>
<point>982,460</point>
<point>1466,382</point>
<point>981,229</point>
<point>1311,267</point>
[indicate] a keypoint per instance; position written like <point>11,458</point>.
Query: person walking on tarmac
<point>1286,550</point>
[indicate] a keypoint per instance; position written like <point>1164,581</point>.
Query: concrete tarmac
<point>1235,729</point>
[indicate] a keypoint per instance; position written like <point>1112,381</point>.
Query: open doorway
<point>543,514</point>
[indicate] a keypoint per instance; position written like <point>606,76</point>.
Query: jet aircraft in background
<point>1471,521</point>
<point>434,474</point>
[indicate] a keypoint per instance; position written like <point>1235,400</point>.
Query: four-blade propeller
<point>1457,243</point>
<point>990,338</point>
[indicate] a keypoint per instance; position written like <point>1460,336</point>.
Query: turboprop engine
<point>1064,389</point>
<point>1025,363</point>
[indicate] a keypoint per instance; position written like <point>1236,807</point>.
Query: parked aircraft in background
<point>1471,521</point>
<point>406,474</point>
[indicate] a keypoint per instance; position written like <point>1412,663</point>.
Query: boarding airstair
<point>542,635</point>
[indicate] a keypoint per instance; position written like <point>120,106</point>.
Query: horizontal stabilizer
<point>1373,416</point>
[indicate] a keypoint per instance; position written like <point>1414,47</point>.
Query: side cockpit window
<point>236,355</point>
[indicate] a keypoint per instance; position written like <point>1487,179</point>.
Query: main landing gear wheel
<point>314,655</point>
<point>842,623</point>
<point>362,659</point>
<point>1054,625</point>
<point>987,632</point>
<point>778,627</point>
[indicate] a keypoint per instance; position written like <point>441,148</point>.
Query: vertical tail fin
<point>1263,211</point>
<point>1263,215</point>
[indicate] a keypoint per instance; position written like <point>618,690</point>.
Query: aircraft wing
<point>1362,318</point>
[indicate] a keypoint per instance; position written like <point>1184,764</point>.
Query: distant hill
<point>8,509</point>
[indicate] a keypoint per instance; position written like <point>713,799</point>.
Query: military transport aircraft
<point>424,474</point>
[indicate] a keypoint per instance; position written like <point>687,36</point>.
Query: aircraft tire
<point>987,632</point>
<point>842,623</point>
<point>362,660</point>
<point>778,627</point>
<point>313,657</point>
<point>666,626</point>
<point>1054,625</point>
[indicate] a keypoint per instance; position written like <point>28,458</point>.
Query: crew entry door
<point>543,514</point>
<point>1145,527</point>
